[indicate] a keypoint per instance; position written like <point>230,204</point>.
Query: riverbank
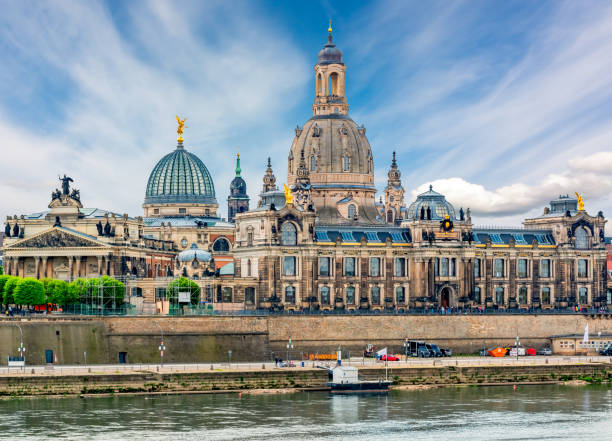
<point>274,380</point>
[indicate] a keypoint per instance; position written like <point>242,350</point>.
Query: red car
<point>530,352</point>
<point>388,358</point>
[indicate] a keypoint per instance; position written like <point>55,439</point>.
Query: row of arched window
<point>349,292</point>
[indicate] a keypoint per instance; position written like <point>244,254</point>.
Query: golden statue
<point>181,124</point>
<point>288,195</point>
<point>330,28</point>
<point>580,202</point>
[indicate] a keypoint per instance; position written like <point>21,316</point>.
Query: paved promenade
<point>54,370</point>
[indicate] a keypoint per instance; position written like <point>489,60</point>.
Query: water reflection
<point>552,412</point>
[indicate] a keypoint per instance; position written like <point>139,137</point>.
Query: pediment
<point>56,238</point>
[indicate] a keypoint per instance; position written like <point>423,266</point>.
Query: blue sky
<point>502,106</point>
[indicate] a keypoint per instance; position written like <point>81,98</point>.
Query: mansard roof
<point>375,235</point>
<point>521,237</point>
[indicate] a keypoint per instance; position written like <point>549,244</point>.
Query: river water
<point>470,413</point>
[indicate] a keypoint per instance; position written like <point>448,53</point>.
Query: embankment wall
<point>204,339</point>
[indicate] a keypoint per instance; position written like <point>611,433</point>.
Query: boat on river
<point>345,380</point>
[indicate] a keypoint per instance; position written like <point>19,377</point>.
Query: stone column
<point>99,265</point>
<point>44,267</point>
<point>78,266</point>
<point>112,265</point>
<point>36,267</point>
<point>70,261</point>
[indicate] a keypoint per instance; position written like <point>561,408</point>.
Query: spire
<point>394,162</point>
<point>238,169</point>
<point>269,180</point>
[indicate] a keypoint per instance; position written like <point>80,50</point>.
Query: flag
<point>382,352</point>
<point>586,333</point>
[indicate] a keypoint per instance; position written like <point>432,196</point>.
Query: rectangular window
<point>584,297</point>
<point>226,294</point>
<point>582,268</point>
<point>325,295</point>
<point>160,293</point>
<point>182,210</point>
<point>476,267</point>
<point>249,295</point>
<point>324,266</point>
<point>375,266</point>
<point>349,266</point>
<point>453,267</point>
<point>289,266</point>
<point>545,268</point>
<point>350,295</point>
<point>498,268</point>
<point>545,295</point>
<point>444,267</point>
<point>375,295</point>
<point>499,295</point>
<point>400,294</point>
<point>400,267</point>
<point>290,295</point>
<point>476,294</point>
<point>437,266</point>
<point>521,268</point>
<point>523,295</point>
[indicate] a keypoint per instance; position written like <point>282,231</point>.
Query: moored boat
<point>345,380</point>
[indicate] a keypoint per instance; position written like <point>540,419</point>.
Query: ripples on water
<point>530,412</point>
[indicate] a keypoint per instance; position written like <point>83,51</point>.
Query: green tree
<point>183,284</point>
<point>29,291</point>
<point>78,290</point>
<point>3,279</point>
<point>9,289</point>
<point>110,290</point>
<point>58,293</point>
<point>1,270</point>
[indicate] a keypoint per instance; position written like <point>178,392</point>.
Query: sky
<point>501,106</point>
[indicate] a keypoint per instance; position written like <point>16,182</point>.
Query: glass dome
<point>433,200</point>
<point>180,177</point>
<point>194,253</point>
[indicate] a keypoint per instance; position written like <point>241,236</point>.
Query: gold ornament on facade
<point>580,202</point>
<point>288,195</point>
<point>179,130</point>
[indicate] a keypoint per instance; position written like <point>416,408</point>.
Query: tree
<point>8,291</point>
<point>183,284</point>
<point>1,270</point>
<point>29,291</point>
<point>111,290</point>
<point>58,293</point>
<point>78,289</point>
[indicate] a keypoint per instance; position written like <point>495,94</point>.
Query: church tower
<point>329,76</point>
<point>394,195</point>
<point>238,200</point>
<point>269,180</point>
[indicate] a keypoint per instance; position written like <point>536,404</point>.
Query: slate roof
<point>501,236</point>
<point>354,235</point>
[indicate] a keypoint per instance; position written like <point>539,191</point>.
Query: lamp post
<point>21,348</point>
<point>289,346</point>
<point>162,347</point>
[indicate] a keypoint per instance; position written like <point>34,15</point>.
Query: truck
<point>416,348</point>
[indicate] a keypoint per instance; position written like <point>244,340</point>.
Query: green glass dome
<point>180,177</point>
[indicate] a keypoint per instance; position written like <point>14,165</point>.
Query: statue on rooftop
<point>7,230</point>
<point>66,180</point>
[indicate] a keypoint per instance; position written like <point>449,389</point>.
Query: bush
<point>29,292</point>
<point>9,289</point>
<point>183,284</point>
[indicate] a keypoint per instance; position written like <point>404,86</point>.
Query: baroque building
<point>320,243</point>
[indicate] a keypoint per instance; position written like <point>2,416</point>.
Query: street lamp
<point>162,347</point>
<point>289,346</point>
<point>21,348</point>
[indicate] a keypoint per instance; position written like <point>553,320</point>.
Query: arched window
<point>221,245</point>
<point>352,211</point>
<point>320,85</point>
<point>347,163</point>
<point>476,294</point>
<point>582,239</point>
<point>290,295</point>
<point>390,216</point>
<point>499,295</point>
<point>288,234</point>
<point>313,163</point>
<point>249,268</point>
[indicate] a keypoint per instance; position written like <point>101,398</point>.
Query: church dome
<point>433,200</point>
<point>194,253</point>
<point>180,177</point>
<point>336,151</point>
<point>330,54</point>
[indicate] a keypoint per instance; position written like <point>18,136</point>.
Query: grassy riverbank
<point>284,380</point>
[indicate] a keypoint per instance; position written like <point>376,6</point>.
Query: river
<point>468,413</point>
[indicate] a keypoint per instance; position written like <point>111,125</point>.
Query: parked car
<point>388,358</point>
<point>544,351</point>
<point>434,350</point>
<point>530,352</point>
<point>606,351</point>
<point>446,352</point>
<point>483,353</point>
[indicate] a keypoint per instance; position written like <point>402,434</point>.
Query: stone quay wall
<point>251,338</point>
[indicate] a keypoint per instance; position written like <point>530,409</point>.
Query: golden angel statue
<point>181,124</point>
<point>288,195</point>
<point>580,202</point>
